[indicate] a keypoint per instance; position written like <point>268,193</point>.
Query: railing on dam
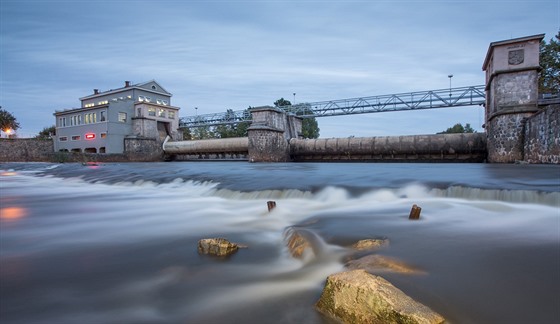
<point>442,98</point>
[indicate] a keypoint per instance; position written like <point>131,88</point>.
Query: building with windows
<point>106,119</point>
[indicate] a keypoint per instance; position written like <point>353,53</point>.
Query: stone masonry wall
<point>505,138</point>
<point>25,150</point>
<point>542,136</point>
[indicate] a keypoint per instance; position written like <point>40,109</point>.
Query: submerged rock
<point>217,246</point>
<point>359,297</point>
<point>370,244</point>
<point>376,263</point>
<point>301,241</point>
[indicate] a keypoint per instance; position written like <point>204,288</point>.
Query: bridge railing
<point>442,98</point>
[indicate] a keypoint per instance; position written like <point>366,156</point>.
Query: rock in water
<point>217,246</point>
<point>378,263</point>
<point>370,244</point>
<point>359,297</point>
<point>299,241</point>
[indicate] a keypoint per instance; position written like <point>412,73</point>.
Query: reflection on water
<point>121,246</point>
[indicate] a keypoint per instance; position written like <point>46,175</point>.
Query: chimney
<point>127,84</point>
<point>95,91</point>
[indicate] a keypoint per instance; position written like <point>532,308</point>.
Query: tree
<point>7,121</point>
<point>549,77</point>
<point>232,130</point>
<point>458,128</point>
<point>309,127</point>
<point>47,133</point>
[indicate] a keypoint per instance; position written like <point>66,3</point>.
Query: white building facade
<point>106,118</point>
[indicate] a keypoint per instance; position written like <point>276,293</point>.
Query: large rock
<point>217,246</point>
<point>359,297</point>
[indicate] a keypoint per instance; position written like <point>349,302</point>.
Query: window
<point>76,137</point>
<point>151,111</point>
<point>103,135</point>
<point>63,121</point>
<point>62,138</point>
<point>79,119</point>
<point>161,112</point>
<point>171,114</point>
<point>102,116</point>
<point>138,112</point>
<point>164,102</point>
<point>141,98</point>
<point>94,115</point>
<point>89,105</point>
<point>104,102</point>
<point>122,117</point>
<point>148,99</point>
<point>87,118</point>
<point>154,87</point>
<point>159,102</point>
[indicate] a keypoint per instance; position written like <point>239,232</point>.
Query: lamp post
<point>294,99</point>
<point>450,76</point>
<point>196,110</point>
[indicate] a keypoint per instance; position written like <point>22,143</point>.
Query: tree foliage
<point>549,77</point>
<point>458,128</point>
<point>47,133</point>
<point>232,130</point>
<point>7,120</point>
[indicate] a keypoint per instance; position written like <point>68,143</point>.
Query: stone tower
<point>512,68</point>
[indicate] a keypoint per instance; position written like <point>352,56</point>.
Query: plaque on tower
<point>516,57</point>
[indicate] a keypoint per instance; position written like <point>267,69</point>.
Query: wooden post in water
<point>415,212</point>
<point>271,205</point>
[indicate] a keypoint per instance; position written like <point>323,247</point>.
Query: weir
<point>518,126</point>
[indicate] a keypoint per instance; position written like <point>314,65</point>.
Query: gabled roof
<point>145,86</point>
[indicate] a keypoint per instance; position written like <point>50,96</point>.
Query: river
<point>117,242</point>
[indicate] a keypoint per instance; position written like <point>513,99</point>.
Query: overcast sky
<point>218,55</point>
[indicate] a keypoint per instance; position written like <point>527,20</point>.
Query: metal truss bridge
<point>443,98</point>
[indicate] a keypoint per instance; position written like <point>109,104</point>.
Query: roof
<point>145,86</point>
<point>538,37</point>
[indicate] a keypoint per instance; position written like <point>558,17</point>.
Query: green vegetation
<point>458,128</point>
<point>549,77</point>
<point>7,121</point>
<point>47,133</point>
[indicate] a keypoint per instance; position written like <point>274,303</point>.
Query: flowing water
<point>117,243</point>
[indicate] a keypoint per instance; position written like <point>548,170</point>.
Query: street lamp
<point>196,110</point>
<point>294,99</point>
<point>450,76</point>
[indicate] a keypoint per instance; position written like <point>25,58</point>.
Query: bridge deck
<point>443,98</point>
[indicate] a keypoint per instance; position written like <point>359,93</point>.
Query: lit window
<point>76,137</point>
<point>122,117</point>
<point>89,105</point>
<point>171,114</point>
<point>129,97</point>
<point>87,118</point>
<point>63,138</point>
<point>161,113</point>
<point>151,111</point>
<point>141,98</point>
<point>103,135</point>
<point>114,99</point>
<point>90,136</point>
<point>94,118</point>
<point>104,102</point>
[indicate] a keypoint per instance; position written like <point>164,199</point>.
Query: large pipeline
<point>234,145</point>
<point>469,147</point>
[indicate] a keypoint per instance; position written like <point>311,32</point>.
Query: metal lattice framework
<point>443,98</point>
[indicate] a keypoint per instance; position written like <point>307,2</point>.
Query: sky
<point>217,55</point>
